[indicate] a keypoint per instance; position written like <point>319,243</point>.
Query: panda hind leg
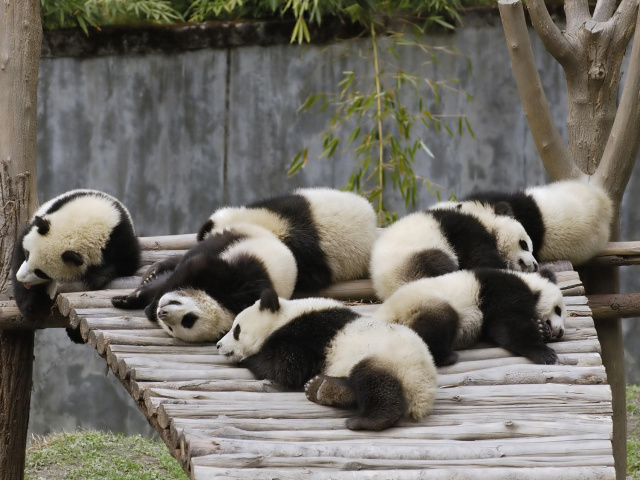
<point>437,325</point>
<point>330,391</point>
<point>379,395</point>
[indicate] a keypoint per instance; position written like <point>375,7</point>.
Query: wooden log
<point>168,242</point>
<point>203,472</point>
<point>142,374</point>
<point>613,306</point>
<point>115,323</point>
<point>101,339</point>
<point>139,387</point>
<point>433,452</point>
<point>12,319</point>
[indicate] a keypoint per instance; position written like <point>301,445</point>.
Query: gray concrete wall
<point>175,135</point>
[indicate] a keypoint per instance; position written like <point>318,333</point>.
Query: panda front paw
<point>546,356</point>
<point>128,302</point>
<point>544,330</point>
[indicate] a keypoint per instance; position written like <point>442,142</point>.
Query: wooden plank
<point>203,472</point>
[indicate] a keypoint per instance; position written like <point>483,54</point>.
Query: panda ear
<point>269,300</point>
<point>42,225</point>
<point>548,274</point>
<point>205,229</point>
<point>69,256</point>
<point>503,208</point>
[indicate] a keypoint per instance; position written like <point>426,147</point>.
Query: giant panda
<point>441,240</point>
<point>566,220</point>
<point>329,232</point>
<point>196,297</point>
<point>83,235</point>
<point>343,360</point>
<point>518,311</point>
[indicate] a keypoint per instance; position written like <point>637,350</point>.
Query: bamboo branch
<point>536,107</point>
<point>552,38</point>
<point>622,147</point>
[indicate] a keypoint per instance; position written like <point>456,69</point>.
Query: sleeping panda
<point>444,239</point>
<point>82,235</point>
<point>343,360</point>
<point>518,311</point>
<point>329,232</point>
<point>567,220</point>
<point>196,297</point>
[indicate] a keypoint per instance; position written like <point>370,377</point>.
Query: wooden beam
<point>615,305</point>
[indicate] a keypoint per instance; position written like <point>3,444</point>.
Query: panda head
<point>192,315</point>
<point>251,327</point>
<point>551,311</point>
<point>514,244</point>
<point>47,256</point>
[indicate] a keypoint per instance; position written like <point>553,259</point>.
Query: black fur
<point>509,313</point>
<point>437,326</point>
<point>523,208</point>
<point>296,352</point>
<point>428,263</point>
<point>303,239</point>
<point>474,246</point>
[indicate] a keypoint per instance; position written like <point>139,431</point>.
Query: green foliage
<point>633,432</point>
<point>87,455</point>
<point>376,117</point>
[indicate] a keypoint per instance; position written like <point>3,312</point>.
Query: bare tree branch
<point>604,9</point>
<point>536,107</point>
<point>577,13</point>
<point>623,144</point>
<point>554,42</point>
<point>623,21</point>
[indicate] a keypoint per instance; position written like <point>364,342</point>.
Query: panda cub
<point>196,297</point>
<point>343,360</point>
<point>517,311</point>
<point>444,239</point>
<point>567,220</point>
<point>82,235</point>
<point>329,232</point>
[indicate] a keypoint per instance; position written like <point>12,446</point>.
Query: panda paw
<point>546,356</point>
<point>330,391</point>
<point>127,302</point>
<point>544,330</point>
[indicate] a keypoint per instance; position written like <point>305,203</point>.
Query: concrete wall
<point>175,135</point>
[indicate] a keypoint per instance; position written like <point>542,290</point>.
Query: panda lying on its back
<point>196,297</point>
<point>82,235</point>
<point>329,232</point>
<point>518,311</point>
<point>442,240</point>
<point>567,220</point>
<point>347,361</point>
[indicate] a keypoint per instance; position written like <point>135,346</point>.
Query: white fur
<point>460,290</point>
<point>392,250</point>
<point>345,221</point>
<point>394,347</point>
<point>508,232</point>
<point>550,298</point>
<point>213,319</point>
<point>577,219</point>
<point>82,225</point>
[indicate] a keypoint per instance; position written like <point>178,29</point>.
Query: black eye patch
<point>524,246</point>
<point>188,320</point>
<point>41,274</point>
<point>558,311</point>
<point>236,332</point>
<point>26,255</point>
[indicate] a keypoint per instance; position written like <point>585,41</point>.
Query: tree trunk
<point>20,44</point>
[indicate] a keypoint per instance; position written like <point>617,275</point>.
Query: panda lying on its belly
<point>342,359</point>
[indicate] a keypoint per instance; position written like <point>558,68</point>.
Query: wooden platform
<point>496,416</point>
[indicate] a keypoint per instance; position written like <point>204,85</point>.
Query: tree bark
<point>20,43</point>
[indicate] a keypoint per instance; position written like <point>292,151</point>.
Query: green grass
<point>633,432</point>
<point>88,454</point>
